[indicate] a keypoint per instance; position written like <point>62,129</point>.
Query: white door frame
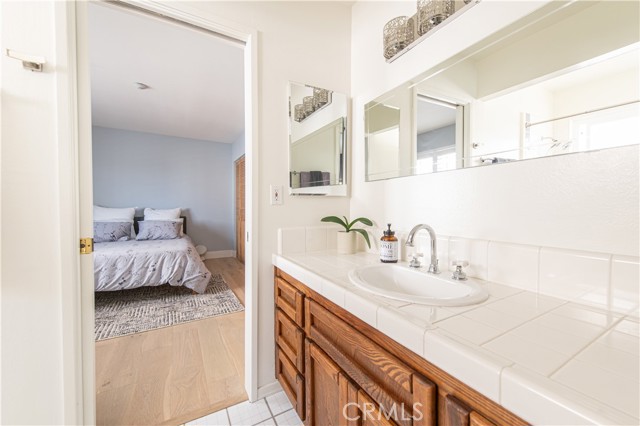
<point>76,24</point>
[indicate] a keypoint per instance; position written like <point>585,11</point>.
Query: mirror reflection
<point>561,85</point>
<point>317,136</point>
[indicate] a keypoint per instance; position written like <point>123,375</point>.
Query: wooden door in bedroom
<point>240,230</point>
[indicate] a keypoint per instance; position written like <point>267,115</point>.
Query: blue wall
<point>437,138</point>
<point>134,169</point>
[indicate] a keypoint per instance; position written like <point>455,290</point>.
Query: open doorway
<point>165,375</point>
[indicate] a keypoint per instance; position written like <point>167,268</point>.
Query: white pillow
<point>167,214</point>
<point>107,214</point>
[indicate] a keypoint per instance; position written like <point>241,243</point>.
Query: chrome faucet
<point>433,267</point>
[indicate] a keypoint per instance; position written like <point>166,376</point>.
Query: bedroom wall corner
<point>137,169</point>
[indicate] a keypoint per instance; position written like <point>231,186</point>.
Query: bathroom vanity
<point>397,363</point>
<point>337,369</point>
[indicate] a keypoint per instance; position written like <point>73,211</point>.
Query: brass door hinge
<point>86,245</point>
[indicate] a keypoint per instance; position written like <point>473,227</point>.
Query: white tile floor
<point>274,410</point>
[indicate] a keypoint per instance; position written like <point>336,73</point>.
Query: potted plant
<point>347,238</point>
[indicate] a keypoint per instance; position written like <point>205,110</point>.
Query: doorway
<point>176,16</point>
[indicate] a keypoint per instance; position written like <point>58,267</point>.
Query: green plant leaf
<point>364,234</point>
<point>363,220</point>
<point>335,219</point>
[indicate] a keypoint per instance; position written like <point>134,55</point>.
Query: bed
<point>121,265</point>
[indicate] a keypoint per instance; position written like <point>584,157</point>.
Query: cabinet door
<point>375,370</point>
<point>290,339</point>
<point>453,412</point>
<point>327,389</point>
<point>370,413</point>
<point>290,300</point>
<point>292,382</point>
<point>478,420</point>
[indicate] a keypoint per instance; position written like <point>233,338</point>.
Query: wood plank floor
<point>175,374</point>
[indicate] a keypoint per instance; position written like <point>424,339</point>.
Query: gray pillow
<point>111,231</point>
<point>158,230</point>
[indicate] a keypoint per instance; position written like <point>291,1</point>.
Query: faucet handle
<point>415,263</point>
<point>459,274</point>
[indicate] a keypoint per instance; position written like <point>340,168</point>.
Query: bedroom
<point>167,134</point>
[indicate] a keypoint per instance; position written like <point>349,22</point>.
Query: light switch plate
<point>276,194</point>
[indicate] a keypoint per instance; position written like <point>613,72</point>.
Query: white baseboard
<point>270,389</point>
<point>219,254</point>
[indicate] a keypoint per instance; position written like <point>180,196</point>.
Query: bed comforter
<point>123,265</point>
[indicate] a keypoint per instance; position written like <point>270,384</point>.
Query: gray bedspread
<point>123,265</point>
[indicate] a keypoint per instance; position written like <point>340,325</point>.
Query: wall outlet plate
<point>276,194</point>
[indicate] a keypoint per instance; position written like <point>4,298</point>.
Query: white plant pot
<point>347,243</point>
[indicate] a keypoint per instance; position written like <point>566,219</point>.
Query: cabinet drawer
<point>453,412</point>
<point>290,300</point>
<point>292,382</point>
<point>379,373</point>
<point>290,339</point>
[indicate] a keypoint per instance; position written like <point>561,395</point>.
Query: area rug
<point>123,312</point>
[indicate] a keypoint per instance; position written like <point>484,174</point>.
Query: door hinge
<point>86,245</point>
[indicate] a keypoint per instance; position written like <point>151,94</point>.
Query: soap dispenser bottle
<point>389,246</point>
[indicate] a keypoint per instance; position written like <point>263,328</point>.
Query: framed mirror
<point>563,80</point>
<point>317,141</point>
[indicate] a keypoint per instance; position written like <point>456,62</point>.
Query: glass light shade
<point>320,97</point>
<point>432,13</point>
<point>298,113</point>
<point>307,103</point>
<point>396,35</point>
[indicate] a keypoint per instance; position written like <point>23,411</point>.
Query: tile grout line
<point>269,407</point>
<point>588,345</point>
<point>226,410</point>
<point>520,325</point>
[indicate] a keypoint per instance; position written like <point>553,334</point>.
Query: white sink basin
<point>417,286</point>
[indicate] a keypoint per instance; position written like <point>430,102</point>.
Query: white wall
<point>585,201</point>
<point>306,42</point>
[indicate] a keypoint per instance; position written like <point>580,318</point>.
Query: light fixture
<point>397,34</point>
<point>311,104</point>
<point>403,32</point>
<point>432,13</point>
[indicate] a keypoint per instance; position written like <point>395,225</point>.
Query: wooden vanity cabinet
<point>395,388</point>
<point>338,370</point>
<point>289,338</point>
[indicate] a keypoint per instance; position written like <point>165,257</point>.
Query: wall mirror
<point>317,141</point>
<point>565,79</point>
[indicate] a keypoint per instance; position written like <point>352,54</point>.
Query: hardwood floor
<point>232,271</point>
<point>175,374</point>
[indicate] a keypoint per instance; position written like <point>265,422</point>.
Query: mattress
<point>122,265</point>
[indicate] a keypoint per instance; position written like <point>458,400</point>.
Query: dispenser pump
<point>389,232</point>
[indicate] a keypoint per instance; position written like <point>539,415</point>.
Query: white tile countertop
<point>548,360</point>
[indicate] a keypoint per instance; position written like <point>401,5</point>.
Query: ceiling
<point>431,116</point>
<point>195,79</point>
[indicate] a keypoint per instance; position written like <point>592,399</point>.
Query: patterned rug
<point>119,313</point>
